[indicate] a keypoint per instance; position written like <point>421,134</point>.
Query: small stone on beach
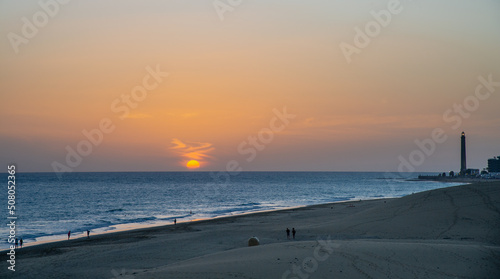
<point>253,241</point>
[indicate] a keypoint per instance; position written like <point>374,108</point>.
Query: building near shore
<point>494,165</point>
<point>463,160</point>
<point>464,171</point>
<point>472,172</point>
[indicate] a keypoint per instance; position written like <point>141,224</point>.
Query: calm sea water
<point>47,207</point>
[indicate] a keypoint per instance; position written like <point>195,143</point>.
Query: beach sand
<point>445,233</point>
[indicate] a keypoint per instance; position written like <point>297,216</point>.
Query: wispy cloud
<point>192,150</point>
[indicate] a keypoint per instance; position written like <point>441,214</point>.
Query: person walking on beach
<point>88,234</point>
<point>287,233</point>
<point>69,234</point>
<point>175,221</point>
<point>17,243</point>
<point>293,233</point>
<point>21,243</point>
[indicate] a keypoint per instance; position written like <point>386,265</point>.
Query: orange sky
<point>225,78</point>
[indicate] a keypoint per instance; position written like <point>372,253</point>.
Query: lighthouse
<point>463,160</point>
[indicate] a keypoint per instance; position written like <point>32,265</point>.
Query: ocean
<point>48,207</point>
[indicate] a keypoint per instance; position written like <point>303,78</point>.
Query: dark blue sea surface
<point>48,207</point>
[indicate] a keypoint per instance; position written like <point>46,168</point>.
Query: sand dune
<point>446,233</point>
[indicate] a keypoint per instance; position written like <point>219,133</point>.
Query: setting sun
<point>193,164</point>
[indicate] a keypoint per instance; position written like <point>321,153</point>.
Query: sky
<point>259,85</point>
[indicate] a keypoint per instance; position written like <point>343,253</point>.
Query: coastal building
<point>463,160</point>
<point>464,171</point>
<point>494,164</point>
<point>472,172</point>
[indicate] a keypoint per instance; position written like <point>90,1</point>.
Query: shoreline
<point>116,217</point>
<point>81,236</point>
<point>130,227</point>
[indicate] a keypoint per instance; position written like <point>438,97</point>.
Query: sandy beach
<point>445,233</point>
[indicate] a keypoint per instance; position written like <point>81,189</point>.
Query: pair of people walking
<point>19,242</point>
<point>288,233</point>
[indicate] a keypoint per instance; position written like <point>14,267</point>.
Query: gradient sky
<point>227,76</point>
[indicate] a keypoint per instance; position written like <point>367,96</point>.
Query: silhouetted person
<point>17,243</point>
<point>88,233</point>
<point>287,233</point>
<point>293,233</point>
<point>21,243</point>
<point>69,234</point>
<point>175,221</point>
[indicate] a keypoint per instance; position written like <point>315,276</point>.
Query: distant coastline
<point>456,179</point>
